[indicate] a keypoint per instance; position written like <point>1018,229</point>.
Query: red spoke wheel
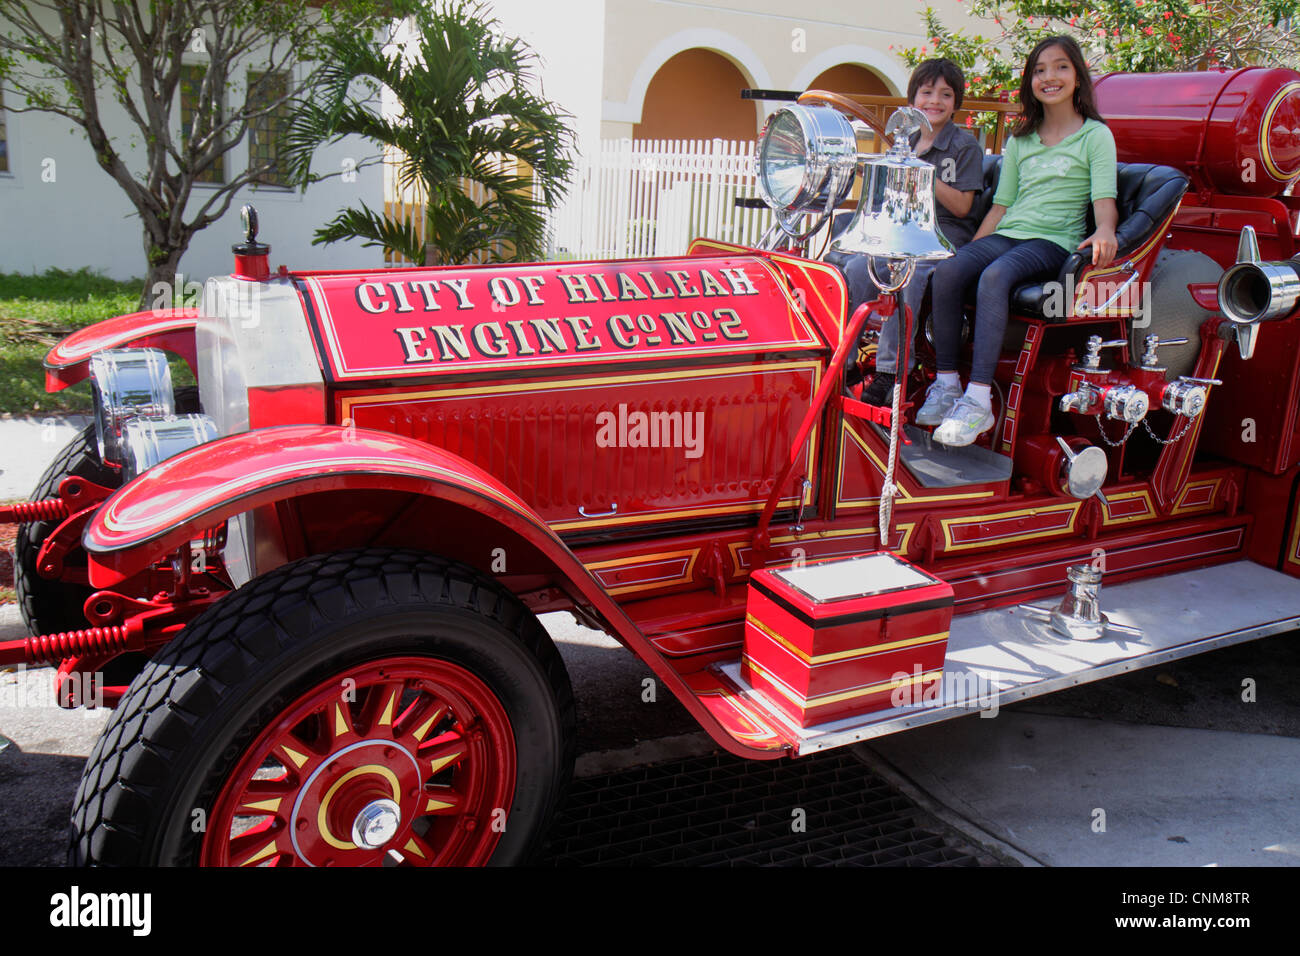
<point>408,760</point>
<point>369,708</point>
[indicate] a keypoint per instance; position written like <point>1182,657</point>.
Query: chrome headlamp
<point>807,156</point>
<point>148,441</point>
<point>127,384</point>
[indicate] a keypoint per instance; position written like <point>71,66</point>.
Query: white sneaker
<point>966,422</point>
<point>939,400</point>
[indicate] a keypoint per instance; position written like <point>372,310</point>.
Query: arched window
<point>696,95</point>
<point>850,78</point>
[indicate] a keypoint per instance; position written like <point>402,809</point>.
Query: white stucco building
<point>652,69</point>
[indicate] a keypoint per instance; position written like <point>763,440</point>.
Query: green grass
<point>36,311</point>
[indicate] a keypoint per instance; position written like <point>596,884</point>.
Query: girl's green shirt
<point>1047,189</point>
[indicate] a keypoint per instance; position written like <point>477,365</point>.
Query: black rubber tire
<point>201,701</point>
<point>49,606</point>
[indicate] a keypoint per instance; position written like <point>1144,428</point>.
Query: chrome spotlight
<point>807,158</point>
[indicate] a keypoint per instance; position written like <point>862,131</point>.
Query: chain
<point>1114,444</point>
<point>1168,441</point>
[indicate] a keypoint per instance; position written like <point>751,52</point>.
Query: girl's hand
<point>1103,245</point>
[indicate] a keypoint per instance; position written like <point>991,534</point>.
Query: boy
<point>936,88</point>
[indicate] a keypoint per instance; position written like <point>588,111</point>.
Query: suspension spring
<point>24,512</point>
<point>52,648</point>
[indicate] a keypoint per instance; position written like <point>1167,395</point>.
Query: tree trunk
<point>160,290</point>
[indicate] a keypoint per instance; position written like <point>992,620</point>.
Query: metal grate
<point>721,810</point>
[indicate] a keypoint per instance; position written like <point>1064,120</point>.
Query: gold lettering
<point>606,292</point>
<point>581,326</point>
<point>497,347</point>
<point>682,280</point>
<point>451,338</point>
<point>678,327</point>
<point>617,323</point>
<point>711,285</point>
<point>521,340</point>
<point>740,283</point>
<point>412,342</point>
<point>576,286</point>
<point>532,284</point>
<point>655,291</point>
<point>549,335</point>
<point>426,288</point>
<point>458,286</point>
<point>627,289</point>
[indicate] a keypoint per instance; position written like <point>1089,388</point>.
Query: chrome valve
<point>1150,358</point>
<point>1188,395</point>
<point>1092,359</point>
<point>1127,403</point>
<point>1082,400</point>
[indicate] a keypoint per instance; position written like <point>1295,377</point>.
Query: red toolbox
<point>834,638</point>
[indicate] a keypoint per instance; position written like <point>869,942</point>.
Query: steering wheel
<point>847,106</point>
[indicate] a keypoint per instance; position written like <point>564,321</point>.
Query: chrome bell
<point>895,220</point>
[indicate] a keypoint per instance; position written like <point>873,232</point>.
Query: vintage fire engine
<point>312,590</point>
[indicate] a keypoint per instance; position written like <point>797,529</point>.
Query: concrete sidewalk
<point>1167,796</point>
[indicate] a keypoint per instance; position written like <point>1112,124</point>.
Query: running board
<point>1004,655</point>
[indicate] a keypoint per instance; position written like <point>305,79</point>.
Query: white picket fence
<point>634,198</point>
<point>651,197</point>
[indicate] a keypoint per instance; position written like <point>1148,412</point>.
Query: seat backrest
<point>1147,194</point>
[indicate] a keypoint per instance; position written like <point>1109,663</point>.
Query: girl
<point>1060,155</point>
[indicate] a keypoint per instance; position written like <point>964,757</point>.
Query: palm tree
<point>468,123</point>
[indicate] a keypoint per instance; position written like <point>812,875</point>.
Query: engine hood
<point>417,323</point>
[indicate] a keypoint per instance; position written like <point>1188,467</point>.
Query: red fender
<point>170,329</point>
<point>197,489</point>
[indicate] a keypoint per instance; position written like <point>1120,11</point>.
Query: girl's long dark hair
<point>1031,111</point>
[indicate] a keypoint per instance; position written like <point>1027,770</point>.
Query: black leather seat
<point>1147,194</point>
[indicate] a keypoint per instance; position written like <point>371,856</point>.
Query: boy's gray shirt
<point>958,162</point>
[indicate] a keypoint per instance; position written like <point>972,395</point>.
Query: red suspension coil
<point>22,512</point>
<point>52,648</point>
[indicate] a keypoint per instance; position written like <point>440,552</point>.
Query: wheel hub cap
<point>376,824</point>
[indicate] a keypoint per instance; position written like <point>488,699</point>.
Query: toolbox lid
<point>856,576</point>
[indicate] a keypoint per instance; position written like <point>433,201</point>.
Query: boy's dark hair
<point>928,71</point>
<point>1031,111</point>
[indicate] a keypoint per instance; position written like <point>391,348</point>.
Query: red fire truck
<point>311,590</point>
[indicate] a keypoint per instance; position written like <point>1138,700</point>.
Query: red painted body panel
<point>1232,131</point>
<point>169,329</point>
<point>565,444</point>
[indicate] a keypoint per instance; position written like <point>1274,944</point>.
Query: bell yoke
<point>312,587</point>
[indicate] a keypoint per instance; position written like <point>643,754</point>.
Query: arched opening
<point>696,95</point>
<point>850,78</point>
